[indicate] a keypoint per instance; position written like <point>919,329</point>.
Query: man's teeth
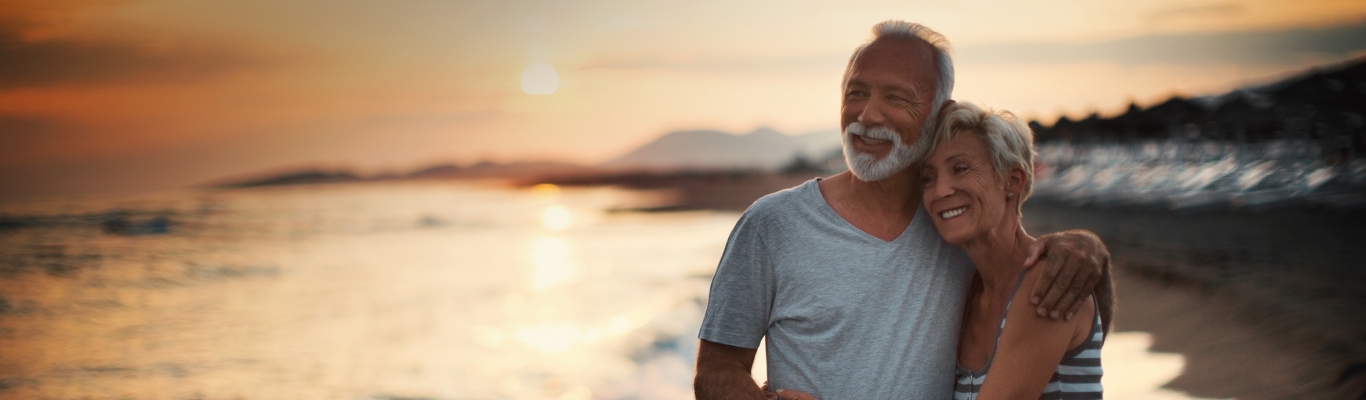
<point>871,140</point>
<point>953,213</point>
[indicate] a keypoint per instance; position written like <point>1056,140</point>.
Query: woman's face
<point>963,194</point>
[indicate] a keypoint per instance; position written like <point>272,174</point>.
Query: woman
<point>979,172</point>
<point>975,181</point>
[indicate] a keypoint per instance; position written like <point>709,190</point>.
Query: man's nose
<point>873,114</point>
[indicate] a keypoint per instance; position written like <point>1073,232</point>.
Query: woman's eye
<point>960,168</point>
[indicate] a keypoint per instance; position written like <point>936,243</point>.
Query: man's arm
<point>723,373</point>
<point>1074,262</point>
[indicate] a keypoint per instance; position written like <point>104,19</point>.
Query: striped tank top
<point>1077,376</point>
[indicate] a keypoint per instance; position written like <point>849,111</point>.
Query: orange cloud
<point>43,46</point>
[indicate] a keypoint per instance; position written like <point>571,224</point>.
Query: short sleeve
<point>742,290</point>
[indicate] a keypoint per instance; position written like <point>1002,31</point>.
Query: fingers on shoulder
<point>1035,280</point>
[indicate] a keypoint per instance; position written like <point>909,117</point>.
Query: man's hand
<point>1074,262</point>
<point>723,372</point>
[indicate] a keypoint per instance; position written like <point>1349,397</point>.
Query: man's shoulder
<point>786,202</point>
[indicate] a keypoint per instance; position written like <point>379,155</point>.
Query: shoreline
<point>1227,355</point>
<point>1263,306</point>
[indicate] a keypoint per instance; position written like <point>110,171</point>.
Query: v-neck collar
<point>825,206</point>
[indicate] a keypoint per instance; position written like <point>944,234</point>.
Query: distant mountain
<point>483,170</point>
<point>516,170</point>
<point>819,143</point>
<point>295,178</point>
<point>763,148</point>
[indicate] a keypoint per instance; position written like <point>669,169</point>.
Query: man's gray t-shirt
<point>847,315</point>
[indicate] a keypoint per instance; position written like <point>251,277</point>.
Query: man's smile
<point>867,141</point>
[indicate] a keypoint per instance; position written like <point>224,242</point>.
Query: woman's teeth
<point>953,213</point>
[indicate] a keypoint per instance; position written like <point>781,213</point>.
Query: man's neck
<point>880,208</point>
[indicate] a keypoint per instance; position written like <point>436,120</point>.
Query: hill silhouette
<point>763,148</point>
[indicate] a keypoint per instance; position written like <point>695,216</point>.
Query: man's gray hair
<point>1009,142</point>
<point>943,58</point>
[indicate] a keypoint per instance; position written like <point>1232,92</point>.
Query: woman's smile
<point>946,215</point>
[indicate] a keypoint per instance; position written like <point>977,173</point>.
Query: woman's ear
<point>1015,180</point>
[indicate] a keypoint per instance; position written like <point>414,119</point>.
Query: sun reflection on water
<point>549,338</point>
<point>555,217</point>
<point>1134,372</point>
<point>550,262</point>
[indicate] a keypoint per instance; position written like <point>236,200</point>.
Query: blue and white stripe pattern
<point>1077,376</point>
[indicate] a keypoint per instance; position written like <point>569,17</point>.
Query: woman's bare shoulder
<point>1024,313</point>
<point>1021,306</point>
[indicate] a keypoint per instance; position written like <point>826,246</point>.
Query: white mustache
<point>868,167</point>
<point>877,132</point>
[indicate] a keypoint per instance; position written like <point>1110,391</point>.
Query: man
<point>858,296</point>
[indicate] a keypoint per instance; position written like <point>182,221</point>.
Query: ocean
<point>387,290</point>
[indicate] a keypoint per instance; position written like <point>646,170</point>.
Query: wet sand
<point>1262,306</point>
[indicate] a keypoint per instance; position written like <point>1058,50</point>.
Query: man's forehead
<point>911,55</point>
<point>906,49</point>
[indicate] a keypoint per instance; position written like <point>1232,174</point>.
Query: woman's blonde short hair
<point>1009,142</point>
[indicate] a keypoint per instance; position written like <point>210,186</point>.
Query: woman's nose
<point>941,188</point>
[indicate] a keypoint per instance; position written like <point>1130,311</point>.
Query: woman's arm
<point>1031,347</point>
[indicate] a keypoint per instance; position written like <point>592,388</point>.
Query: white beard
<point>869,168</point>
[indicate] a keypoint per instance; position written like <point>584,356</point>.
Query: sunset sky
<point>112,95</point>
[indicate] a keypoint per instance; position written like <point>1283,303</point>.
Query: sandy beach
<point>1262,305</point>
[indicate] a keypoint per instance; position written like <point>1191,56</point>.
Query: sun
<point>540,78</point>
